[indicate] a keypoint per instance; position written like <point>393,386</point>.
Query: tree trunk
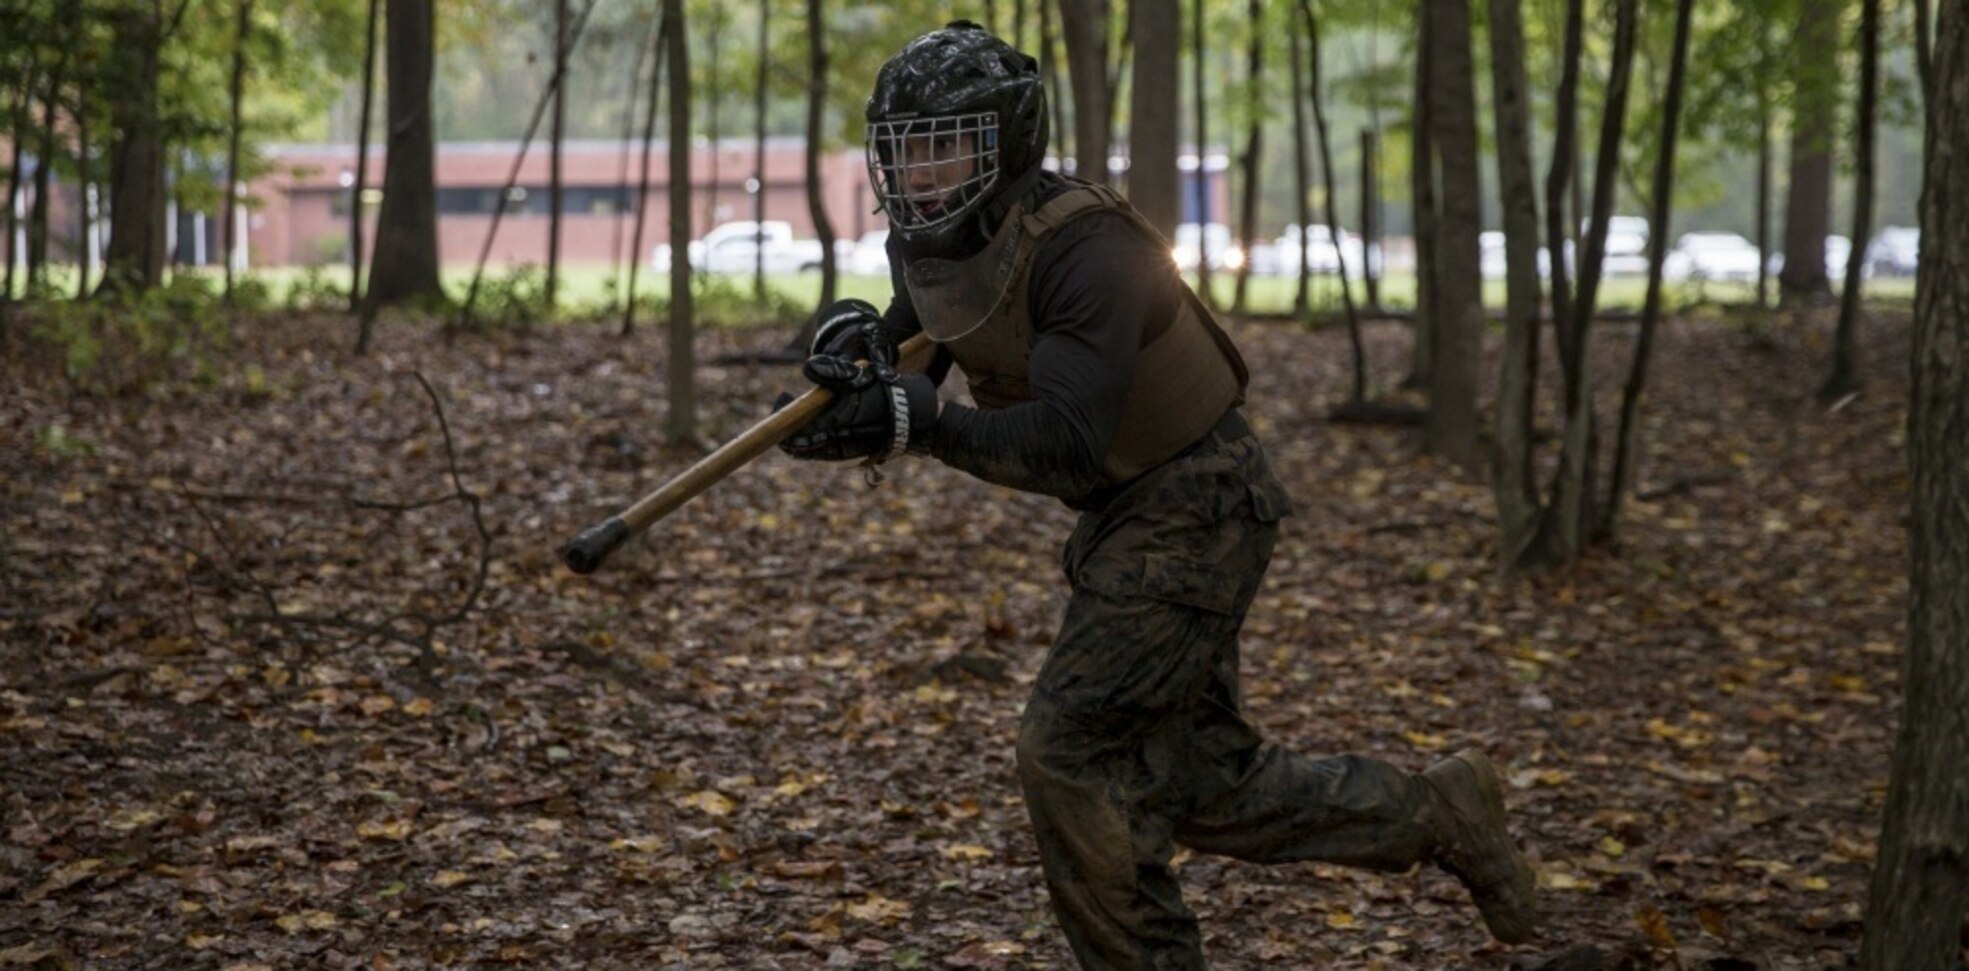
<point>1302,189</point>
<point>556,137</point>
<point>1318,99</point>
<point>1084,25</point>
<point>660,42</point>
<point>1200,186</point>
<point>1567,527</point>
<point>635,88</point>
<point>241,33</point>
<point>1763,201</point>
<point>1254,142</point>
<point>1924,54</point>
<point>1371,215</point>
<point>1844,376</point>
<point>1518,508</point>
<point>1921,877</point>
<point>362,167</point>
<point>37,223</point>
<point>681,369</point>
<point>1451,427</point>
<point>713,102</point>
<point>1808,209</point>
<point>19,115</point>
<point>405,264</point>
<point>1152,184</point>
<point>816,115</point>
<point>1422,193</point>
<point>85,235</point>
<point>134,261</point>
<point>1658,235</point>
<point>759,150</point>
<point>1558,181</point>
<point>1049,70</point>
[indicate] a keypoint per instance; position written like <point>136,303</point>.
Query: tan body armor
<point>1188,372</point>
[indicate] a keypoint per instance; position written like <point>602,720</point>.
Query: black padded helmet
<point>949,83</point>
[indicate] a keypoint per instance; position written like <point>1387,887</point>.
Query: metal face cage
<point>931,171</point>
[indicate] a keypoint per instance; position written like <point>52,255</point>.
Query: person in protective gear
<point>1100,378</point>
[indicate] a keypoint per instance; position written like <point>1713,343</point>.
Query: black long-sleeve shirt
<point>1097,285</point>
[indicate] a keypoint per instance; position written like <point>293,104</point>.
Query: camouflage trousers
<point>1133,741</point>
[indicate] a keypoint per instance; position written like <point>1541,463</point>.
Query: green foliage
<point>129,344</point>
<point>61,443</point>
<point>315,289</point>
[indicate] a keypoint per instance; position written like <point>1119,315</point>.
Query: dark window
<point>532,200</point>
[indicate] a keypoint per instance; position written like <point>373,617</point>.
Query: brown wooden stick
<point>587,551</point>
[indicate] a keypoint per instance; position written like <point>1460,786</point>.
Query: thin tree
<point>681,367</point>
<point>1763,198</point>
<point>1201,183</point>
<point>1048,69</point>
<point>1924,52</point>
<point>1808,206</point>
<point>404,266</point>
<point>362,160</point>
<point>713,102</point>
<point>635,86</point>
<point>816,135</point>
<point>1422,195</point>
<point>1152,183</point>
<point>1335,230</point>
<point>1558,180</point>
<point>242,31</point>
<point>1844,376</point>
<point>18,114</point>
<point>1920,887</point>
<point>1663,197</point>
<point>86,189</point>
<point>1254,142</point>
<point>1371,216</point>
<point>37,223</point>
<point>1302,190</point>
<point>1518,507</point>
<point>556,138</point>
<point>1450,429</point>
<point>1084,24</point>
<point>759,150</point>
<point>659,41</point>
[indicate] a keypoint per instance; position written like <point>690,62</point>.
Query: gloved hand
<point>852,330</point>
<point>876,413</point>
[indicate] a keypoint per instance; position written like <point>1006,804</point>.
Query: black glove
<point>876,413</point>
<point>852,329</point>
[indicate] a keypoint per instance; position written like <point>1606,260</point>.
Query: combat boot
<point>1467,838</point>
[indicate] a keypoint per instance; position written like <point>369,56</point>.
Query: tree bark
<point>37,223</point>
<point>1084,25</point>
<point>1658,235</point>
<point>405,264</point>
<point>1518,507</point>
<point>816,115</point>
<point>1843,378</point>
<point>242,31</point>
<point>556,137</point>
<point>1371,215</point>
<point>1200,186</point>
<point>1569,525</point>
<point>1254,146</point>
<point>1924,53</point>
<point>1558,181</point>
<point>681,367</point>
<point>1318,98</point>
<point>759,149</point>
<point>134,260</point>
<point>1152,184</point>
<point>362,167</point>
<point>1920,884</point>
<point>1422,195</point>
<point>1763,201</point>
<point>1451,427</point>
<point>1302,190</point>
<point>1808,208</point>
<point>84,172</point>
<point>660,42</point>
<point>1049,70</point>
<point>12,223</point>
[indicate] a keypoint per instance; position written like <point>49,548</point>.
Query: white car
<point>870,255</point>
<point>1216,238</point>
<point>1706,257</point>
<point>1627,246</point>
<point>1895,252</point>
<point>1323,256</point>
<point>734,248</point>
<point>1492,262</point>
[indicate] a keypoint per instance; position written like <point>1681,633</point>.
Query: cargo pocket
<point>1269,502</point>
<point>1191,583</point>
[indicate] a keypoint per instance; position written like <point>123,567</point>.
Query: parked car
<point>1322,256</point>
<point>734,247</point>
<point>1627,246</point>
<point>1706,257</point>
<point>1491,261</point>
<point>870,255</point>
<point>1837,250</point>
<point>1895,252</point>
<point>1216,239</point>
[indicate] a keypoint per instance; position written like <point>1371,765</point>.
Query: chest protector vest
<point>1187,374</point>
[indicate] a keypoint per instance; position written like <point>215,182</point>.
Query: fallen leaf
<point>711,802</point>
<point>966,851</point>
<point>312,920</point>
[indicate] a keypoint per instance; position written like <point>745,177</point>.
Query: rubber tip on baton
<point>586,553</point>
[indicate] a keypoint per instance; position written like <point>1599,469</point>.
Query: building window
<point>521,200</point>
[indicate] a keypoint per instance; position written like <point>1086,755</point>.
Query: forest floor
<point>257,709</point>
